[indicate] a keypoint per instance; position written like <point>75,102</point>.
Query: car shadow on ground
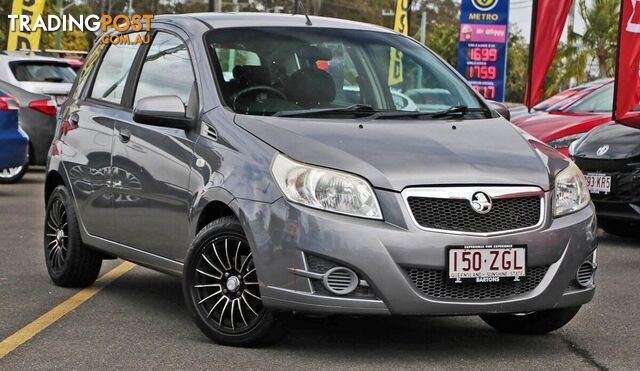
<point>619,242</point>
<point>340,336</point>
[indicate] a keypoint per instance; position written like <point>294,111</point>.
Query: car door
<point>87,134</point>
<point>151,164</point>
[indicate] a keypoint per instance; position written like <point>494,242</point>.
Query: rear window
<point>42,71</point>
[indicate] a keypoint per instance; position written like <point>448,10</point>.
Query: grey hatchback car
<point>262,159</point>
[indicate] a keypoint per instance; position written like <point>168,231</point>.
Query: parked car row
<point>577,122</point>
<point>570,119</point>
<point>33,87</point>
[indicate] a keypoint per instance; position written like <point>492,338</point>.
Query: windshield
<point>599,101</point>
<point>556,99</point>
<point>269,70</point>
<point>42,71</point>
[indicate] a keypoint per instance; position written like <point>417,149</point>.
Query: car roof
<point>21,56</point>
<point>247,19</point>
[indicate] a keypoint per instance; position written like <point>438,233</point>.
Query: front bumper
<point>282,234</point>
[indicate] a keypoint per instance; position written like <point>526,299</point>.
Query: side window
<point>89,65</point>
<point>167,69</point>
<point>113,72</point>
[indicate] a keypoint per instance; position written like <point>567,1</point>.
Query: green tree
<point>443,40</point>
<point>5,8</point>
<point>517,66</point>
<point>601,18</point>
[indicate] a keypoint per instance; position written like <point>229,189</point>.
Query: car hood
<point>620,142</point>
<point>550,126</point>
<point>395,154</point>
<point>49,88</point>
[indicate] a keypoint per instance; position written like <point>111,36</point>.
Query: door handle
<point>125,135</point>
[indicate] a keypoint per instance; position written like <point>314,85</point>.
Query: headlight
<point>565,141</point>
<point>571,191</point>
<point>325,189</point>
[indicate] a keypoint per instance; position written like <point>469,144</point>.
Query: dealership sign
<point>482,45</point>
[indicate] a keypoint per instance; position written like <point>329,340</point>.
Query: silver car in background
<point>222,153</point>
<point>41,85</point>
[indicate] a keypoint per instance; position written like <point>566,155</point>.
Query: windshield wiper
<point>354,108</point>
<point>453,111</point>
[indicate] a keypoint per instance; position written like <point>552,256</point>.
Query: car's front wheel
<point>12,175</point>
<point>221,288</point>
<point>532,323</point>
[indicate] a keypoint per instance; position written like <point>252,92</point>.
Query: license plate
<point>487,263</point>
<point>598,183</point>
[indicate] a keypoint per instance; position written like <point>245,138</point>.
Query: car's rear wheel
<point>221,289</point>
<point>532,323</point>
<point>620,228</point>
<point>69,262</point>
<point>13,174</point>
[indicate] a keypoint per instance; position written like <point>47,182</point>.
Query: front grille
<point>458,215</point>
<point>436,284</point>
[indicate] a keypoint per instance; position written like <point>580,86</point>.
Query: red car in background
<point>562,125</point>
<point>560,100</point>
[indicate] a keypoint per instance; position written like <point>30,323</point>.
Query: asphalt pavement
<point>139,321</point>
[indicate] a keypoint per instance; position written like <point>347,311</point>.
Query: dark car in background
<point>13,141</point>
<point>37,117</point>
<point>609,156</point>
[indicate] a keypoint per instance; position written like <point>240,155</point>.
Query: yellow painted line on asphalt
<point>32,329</point>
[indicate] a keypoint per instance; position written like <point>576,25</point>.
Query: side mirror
<point>501,109</point>
<point>162,110</point>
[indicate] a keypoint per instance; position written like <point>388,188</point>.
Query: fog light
<point>340,280</point>
<point>585,274</point>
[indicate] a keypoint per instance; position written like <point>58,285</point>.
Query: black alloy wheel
<point>222,289</point>
<point>69,262</point>
<point>56,237</point>
<point>226,284</point>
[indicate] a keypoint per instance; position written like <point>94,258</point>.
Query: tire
<point>219,273</point>
<point>13,174</point>
<point>69,262</point>
<point>534,323</point>
<point>620,228</point>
